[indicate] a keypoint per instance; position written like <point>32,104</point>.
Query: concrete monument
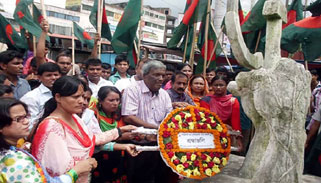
<point>275,95</point>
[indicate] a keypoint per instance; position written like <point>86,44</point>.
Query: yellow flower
<point>196,172</point>
<point>183,159</point>
<point>193,157</point>
<point>180,124</point>
<point>191,126</point>
<point>180,168</point>
<point>173,158</point>
<point>202,115</point>
<point>189,162</point>
<point>204,165</point>
<point>208,172</point>
<point>178,117</point>
<point>216,169</point>
<point>212,119</point>
<point>224,161</point>
<point>224,140</point>
<point>171,125</point>
<point>187,115</point>
<point>216,160</point>
<point>188,172</point>
<point>208,158</point>
<point>209,126</point>
<point>219,128</point>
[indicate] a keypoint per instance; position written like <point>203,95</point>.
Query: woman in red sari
<point>225,106</point>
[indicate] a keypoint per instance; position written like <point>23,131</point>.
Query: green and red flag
<point>125,33</point>
<point>37,15</point>
<point>10,36</point>
<point>210,46</point>
<point>23,16</point>
<point>194,11</point>
<point>241,17</point>
<point>105,30</point>
<point>306,32</point>
<point>254,20</point>
<point>83,36</point>
<point>295,13</point>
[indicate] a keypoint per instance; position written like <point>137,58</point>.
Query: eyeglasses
<point>21,119</point>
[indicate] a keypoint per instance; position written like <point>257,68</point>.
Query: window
<point>161,27</point>
<point>162,17</point>
<point>147,13</point>
<point>156,16</point>
<point>86,7</point>
<point>63,16</point>
<point>151,14</point>
<point>148,24</point>
<point>154,25</point>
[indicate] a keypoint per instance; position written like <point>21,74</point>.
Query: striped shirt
<point>139,101</point>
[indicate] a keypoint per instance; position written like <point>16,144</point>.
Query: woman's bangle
<point>73,174</point>
<point>119,132</point>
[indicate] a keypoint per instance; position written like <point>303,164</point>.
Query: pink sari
<point>58,147</point>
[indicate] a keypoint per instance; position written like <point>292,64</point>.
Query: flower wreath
<point>194,163</point>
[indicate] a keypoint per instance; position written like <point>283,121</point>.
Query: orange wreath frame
<point>197,163</point>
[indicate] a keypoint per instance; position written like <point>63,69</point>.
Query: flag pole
<point>73,49</point>
<point>215,46</point>
<point>305,8</point>
<point>186,41</point>
<point>206,36</point>
<point>191,63</point>
<point>99,20</point>
<point>139,33</point>
<point>225,54</point>
<point>43,9</point>
<point>33,37</point>
<point>258,41</point>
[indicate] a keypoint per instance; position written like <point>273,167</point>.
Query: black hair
<point>314,72</point>
<point>170,67</point>
<point>93,61</point>
<point>217,77</point>
<point>4,89</point>
<point>208,70</point>
<point>3,77</point>
<point>63,53</point>
<point>9,55</point>
<point>6,120</point>
<point>103,93</point>
<point>178,73</point>
<point>221,69</point>
<point>48,67</point>
<point>180,66</point>
<point>84,84</point>
<point>33,62</point>
<point>106,66</point>
<point>65,86</point>
<point>121,58</point>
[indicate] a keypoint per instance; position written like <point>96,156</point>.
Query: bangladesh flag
<point>10,36</point>
<point>83,36</point>
<point>105,30</point>
<point>37,15</point>
<point>295,13</point>
<point>254,20</point>
<point>125,34</point>
<point>23,16</point>
<point>194,11</point>
<point>241,17</point>
<point>210,46</point>
<point>306,32</point>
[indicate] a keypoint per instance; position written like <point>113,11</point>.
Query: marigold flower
<point>193,157</point>
<point>217,160</point>
<point>196,172</point>
<point>178,118</point>
<point>216,169</point>
<point>183,159</point>
<point>166,134</point>
<point>191,126</point>
<point>180,168</point>
<point>208,172</point>
<point>224,161</point>
<point>219,128</point>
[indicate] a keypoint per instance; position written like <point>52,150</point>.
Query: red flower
<point>196,163</point>
<point>182,114</point>
<point>186,165</point>
<point>208,120</point>
<point>165,126</point>
<point>225,154</point>
<point>170,154</point>
<point>198,126</point>
<point>190,119</point>
<point>210,164</point>
<point>203,157</point>
<point>196,111</point>
<point>169,146</point>
<point>211,154</point>
<point>213,125</point>
<point>198,117</point>
<point>188,155</point>
<point>204,126</point>
<point>176,162</point>
<point>218,155</point>
<point>166,134</point>
<point>174,120</point>
<point>207,114</point>
<point>184,125</point>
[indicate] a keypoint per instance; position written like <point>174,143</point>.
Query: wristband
<point>119,132</point>
<point>73,174</point>
<point>108,147</point>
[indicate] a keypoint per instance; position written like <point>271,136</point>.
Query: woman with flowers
<point>225,106</point>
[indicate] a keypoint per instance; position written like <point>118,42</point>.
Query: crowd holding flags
<point>303,34</point>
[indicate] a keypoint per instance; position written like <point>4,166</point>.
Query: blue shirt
<point>21,89</point>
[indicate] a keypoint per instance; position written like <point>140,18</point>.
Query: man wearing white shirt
<point>36,99</point>
<point>95,82</point>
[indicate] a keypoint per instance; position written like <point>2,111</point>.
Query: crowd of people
<point>61,123</point>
